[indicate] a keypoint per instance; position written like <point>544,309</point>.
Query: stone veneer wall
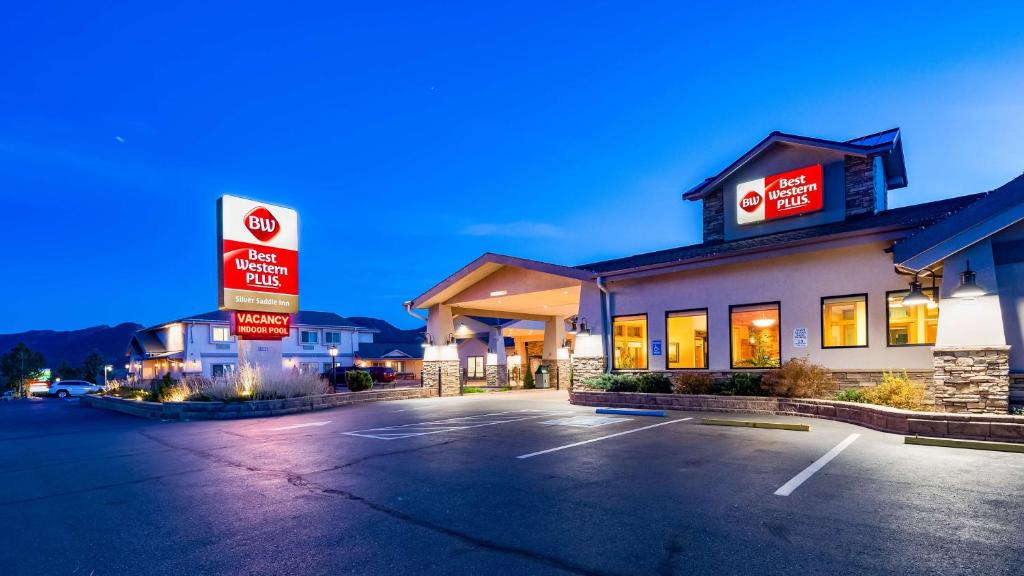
<point>714,216</point>
<point>583,368</point>
<point>558,372</point>
<point>863,378</point>
<point>972,379</point>
<point>496,375</point>
<point>860,186</point>
<point>449,373</point>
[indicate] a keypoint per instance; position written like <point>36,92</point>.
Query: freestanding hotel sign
<point>780,195</point>
<point>258,266</point>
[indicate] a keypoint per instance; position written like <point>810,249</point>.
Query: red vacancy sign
<point>780,195</point>
<point>261,325</point>
<point>259,256</point>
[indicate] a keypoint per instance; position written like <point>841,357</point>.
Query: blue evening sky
<point>414,136</point>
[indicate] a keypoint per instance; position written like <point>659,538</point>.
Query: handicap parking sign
<point>655,347</point>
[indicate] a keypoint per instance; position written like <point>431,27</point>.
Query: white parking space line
<point>306,425</point>
<point>585,421</point>
<point>574,444</point>
<point>818,464</point>
<point>460,423</point>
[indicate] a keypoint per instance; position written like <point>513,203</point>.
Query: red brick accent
<point>1000,428</point>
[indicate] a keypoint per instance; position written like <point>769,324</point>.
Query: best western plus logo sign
<point>259,265</point>
<point>780,195</point>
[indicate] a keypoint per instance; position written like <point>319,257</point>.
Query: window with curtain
<point>687,339</point>
<point>844,321</point>
<point>629,340</point>
<point>912,325</point>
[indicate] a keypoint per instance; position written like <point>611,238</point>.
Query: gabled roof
<point>886,144</point>
<point>300,318</point>
<point>147,344</point>
<point>906,218</point>
<point>994,211</point>
<point>381,351</point>
<point>483,266</point>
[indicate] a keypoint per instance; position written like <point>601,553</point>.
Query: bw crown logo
<point>750,201</point>
<point>262,224</point>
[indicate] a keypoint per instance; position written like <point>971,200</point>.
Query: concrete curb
<point>754,424</point>
<point>967,444</point>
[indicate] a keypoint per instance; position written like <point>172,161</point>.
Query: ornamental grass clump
<point>898,391</point>
<point>798,378</point>
<point>693,383</point>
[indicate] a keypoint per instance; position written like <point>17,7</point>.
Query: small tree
<point>358,380</point>
<point>20,364</point>
<point>93,366</point>
<point>528,382</point>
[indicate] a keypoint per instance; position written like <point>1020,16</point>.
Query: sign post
<point>258,276</point>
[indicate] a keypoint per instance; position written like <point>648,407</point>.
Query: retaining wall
<point>1000,428</point>
<point>255,409</point>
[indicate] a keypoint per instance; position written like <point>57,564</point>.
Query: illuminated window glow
<point>755,336</point>
<point>687,341</point>
<point>844,321</point>
<point>629,342</point>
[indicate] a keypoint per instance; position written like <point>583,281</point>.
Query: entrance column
<point>496,368</point>
<point>556,356</point>
<point>441,359</point>
<point>589,358</point>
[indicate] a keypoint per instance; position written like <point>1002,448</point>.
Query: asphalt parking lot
<point>511,483</point>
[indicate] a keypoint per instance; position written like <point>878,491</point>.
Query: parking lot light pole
<point>106,370</point>
<point>333,351</point>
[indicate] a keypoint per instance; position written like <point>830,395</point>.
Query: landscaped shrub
<point>693,383</point>
<point>653,383</point>
<point>851,395</point>
<point>528,382</point>
<point>612,383</point>
<point>740,384</point>
<point>293,384</point>
<point>898,391</point>
<point>358,380</point>
<point>797,378</point>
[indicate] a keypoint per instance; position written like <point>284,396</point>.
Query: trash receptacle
<point>542,379</point>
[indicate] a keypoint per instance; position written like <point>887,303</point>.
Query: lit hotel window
<point>754,336</point>
<point>475,367</point>
<point>844,321</point>
<point>912,325</point>
<point>687,339</point>
<point>630,342</point>
<point>221,334</point>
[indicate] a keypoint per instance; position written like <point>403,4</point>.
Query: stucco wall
<point>799,282</point>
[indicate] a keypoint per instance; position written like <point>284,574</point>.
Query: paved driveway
<point>510,483</point>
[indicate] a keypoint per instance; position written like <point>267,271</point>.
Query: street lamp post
<point>333,351</point>
<point>106,370</point>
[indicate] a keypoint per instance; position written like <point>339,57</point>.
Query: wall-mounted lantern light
<point>565,342</point>
<point>968,288</point>
<point>451,338</point>
<point>582,327</point>
<point>428,340</point>
<point>916,297</point>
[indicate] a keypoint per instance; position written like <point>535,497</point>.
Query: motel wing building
<point>203,345</point>
<point>802,257</point>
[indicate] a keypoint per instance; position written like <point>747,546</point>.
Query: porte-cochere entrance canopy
<point>536,304</point>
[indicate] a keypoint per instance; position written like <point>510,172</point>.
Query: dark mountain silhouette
<point>72,346</point>
<point>389,333</point>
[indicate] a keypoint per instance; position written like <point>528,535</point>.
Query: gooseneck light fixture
<point>968,288</point>
<point>428,340</point>
<point>916,297</point>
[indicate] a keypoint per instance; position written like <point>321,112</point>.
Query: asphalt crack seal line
<point>299,481</point>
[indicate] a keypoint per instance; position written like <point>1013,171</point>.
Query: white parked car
<point>65,388</point>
